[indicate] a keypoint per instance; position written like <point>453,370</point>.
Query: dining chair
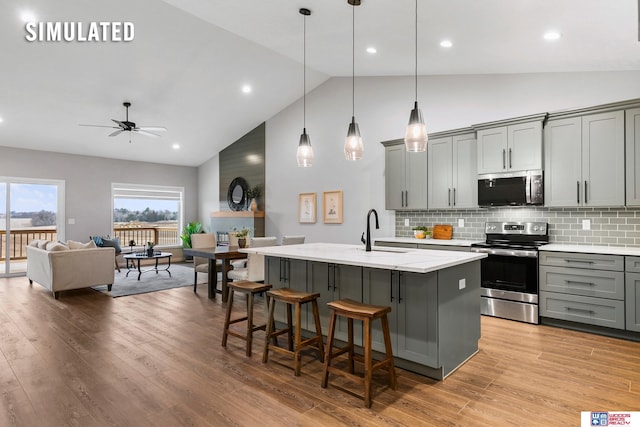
<point>201,265</point>
<point>254,270</point>
<point>292,240</point>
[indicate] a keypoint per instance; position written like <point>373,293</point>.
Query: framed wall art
<point>332,207</point>
<point>307,208</point>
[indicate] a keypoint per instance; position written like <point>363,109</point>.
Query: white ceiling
<point>189,59</point>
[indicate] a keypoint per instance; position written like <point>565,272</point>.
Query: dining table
<point>224,253</point>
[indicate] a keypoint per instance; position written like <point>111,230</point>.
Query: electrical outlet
<point>406,222</point>
<point>460,222</point>
<point>462,283</point>
<point>71,221</point>
<point>586,224</point>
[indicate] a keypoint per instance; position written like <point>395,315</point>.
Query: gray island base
<point>434,297</point>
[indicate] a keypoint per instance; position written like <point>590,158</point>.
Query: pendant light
<point>353,146</point>
<point>305,151</point>
<point>415,139</point>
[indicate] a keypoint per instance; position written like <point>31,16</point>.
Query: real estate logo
<point>79,31</point>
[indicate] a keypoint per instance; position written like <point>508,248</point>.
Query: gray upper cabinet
<point>632,146</point>
<point>405,177</point>
<point>510,145</point>
<point>584,160</point>
<point>452,170</point>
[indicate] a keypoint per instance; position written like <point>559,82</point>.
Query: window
<point>147,213</point>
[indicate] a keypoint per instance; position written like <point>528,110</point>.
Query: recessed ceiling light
<point>27,16</point>
<point>246,89</point>
<point>446,43</point>
<point>371,50</point>
<point>176,146</point>
<point>552,35</point>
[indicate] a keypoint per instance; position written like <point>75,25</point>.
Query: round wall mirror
<point>237,194</point>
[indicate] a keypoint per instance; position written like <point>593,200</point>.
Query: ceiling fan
<point>127,126</point>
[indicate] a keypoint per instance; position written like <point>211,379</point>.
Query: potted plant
<point>253,193</point>
<point>421,232</point>
<point>242,236</point>
<point>191,228</point>
<point>150,246</point>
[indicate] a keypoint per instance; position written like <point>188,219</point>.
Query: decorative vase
<point>150,252</point>
<point>253,206</point>
<point>242,242</point>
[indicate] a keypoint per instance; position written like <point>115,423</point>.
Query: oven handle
<point>506,252</point>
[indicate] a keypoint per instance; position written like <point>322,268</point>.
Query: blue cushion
<point>112,243</point>
<point>97,240</point>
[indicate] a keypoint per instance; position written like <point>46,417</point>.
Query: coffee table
<point>143,256</point>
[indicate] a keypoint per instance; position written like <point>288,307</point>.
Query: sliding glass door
<point>29,209</point>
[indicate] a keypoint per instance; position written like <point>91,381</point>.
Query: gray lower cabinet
<point>632,287</point>
<point>423,246</point>
<point>287,273</point>
<point>414,327</point>
<point>584,288</point>
<point>333,282</point>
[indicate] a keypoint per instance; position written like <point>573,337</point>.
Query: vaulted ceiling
<point>190,58</point>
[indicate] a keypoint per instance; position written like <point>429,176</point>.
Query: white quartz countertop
<point>413,240</point>
<point>584,249</point>
<point>412,260</point>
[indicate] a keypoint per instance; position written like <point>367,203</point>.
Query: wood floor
<point>155,360</point>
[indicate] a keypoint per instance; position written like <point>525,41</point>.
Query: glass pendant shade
<point>305,151</point>
<point>415,139</point>
<point>353,145</point>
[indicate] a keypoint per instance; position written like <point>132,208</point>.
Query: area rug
<point>181,276</point>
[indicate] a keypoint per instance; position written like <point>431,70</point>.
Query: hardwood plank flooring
<point>155,360</point>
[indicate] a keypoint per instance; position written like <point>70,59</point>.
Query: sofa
<point>74,265</point>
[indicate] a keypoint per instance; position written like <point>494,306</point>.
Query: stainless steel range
<point>509,274</point>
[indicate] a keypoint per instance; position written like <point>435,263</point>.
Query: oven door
<point>517,274</point>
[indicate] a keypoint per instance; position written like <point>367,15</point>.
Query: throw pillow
<point>55,246</point>
<point>42,244</point>
<point>34,243</point>
<point>112,243</point>
<point>79,245</point>
<point>97,240</point>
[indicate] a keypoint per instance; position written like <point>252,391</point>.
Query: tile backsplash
<point>609,226</point>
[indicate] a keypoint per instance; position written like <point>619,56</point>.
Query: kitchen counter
<point>400,259</point>
<point>585,249</point>
<point>436,242</point>
<point>434,296</point>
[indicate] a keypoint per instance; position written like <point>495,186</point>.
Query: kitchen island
<point>434,296</point>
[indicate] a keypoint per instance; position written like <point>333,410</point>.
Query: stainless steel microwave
<point>525,188</point>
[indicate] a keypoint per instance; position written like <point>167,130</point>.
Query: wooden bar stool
<point>249,289</point>
<point>353,310</point>
<point>292,298</point>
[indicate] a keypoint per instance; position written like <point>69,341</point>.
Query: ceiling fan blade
<point>118,123</point>
<point>153,128</point>
<point>144,132</point>
<point>118,132</point>
<point>100,126</point>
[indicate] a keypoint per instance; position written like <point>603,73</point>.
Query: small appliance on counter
<point>509,275</point>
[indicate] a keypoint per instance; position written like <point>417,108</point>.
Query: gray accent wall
<point>609,226</point>
<point>88,184</point>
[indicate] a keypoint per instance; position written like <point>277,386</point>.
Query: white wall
<point>208,190</point>
<point>382,111</point>
<point>88,184</point>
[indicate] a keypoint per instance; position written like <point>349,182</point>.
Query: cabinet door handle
<point>581,261</point>
<point>575,282</point>
<point>400,286</point>
<point>504,164</point>
<point>578,191</point>
<point>406,198</point>
<point>281,270</point>
<point>454,197</point>
<point>329,278</point>
<point>391,284</point>
<point>590,312</point>
<point>335,267</point>
<point>585,193</point>
<point>510,166</point>
<point>449,198</point>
